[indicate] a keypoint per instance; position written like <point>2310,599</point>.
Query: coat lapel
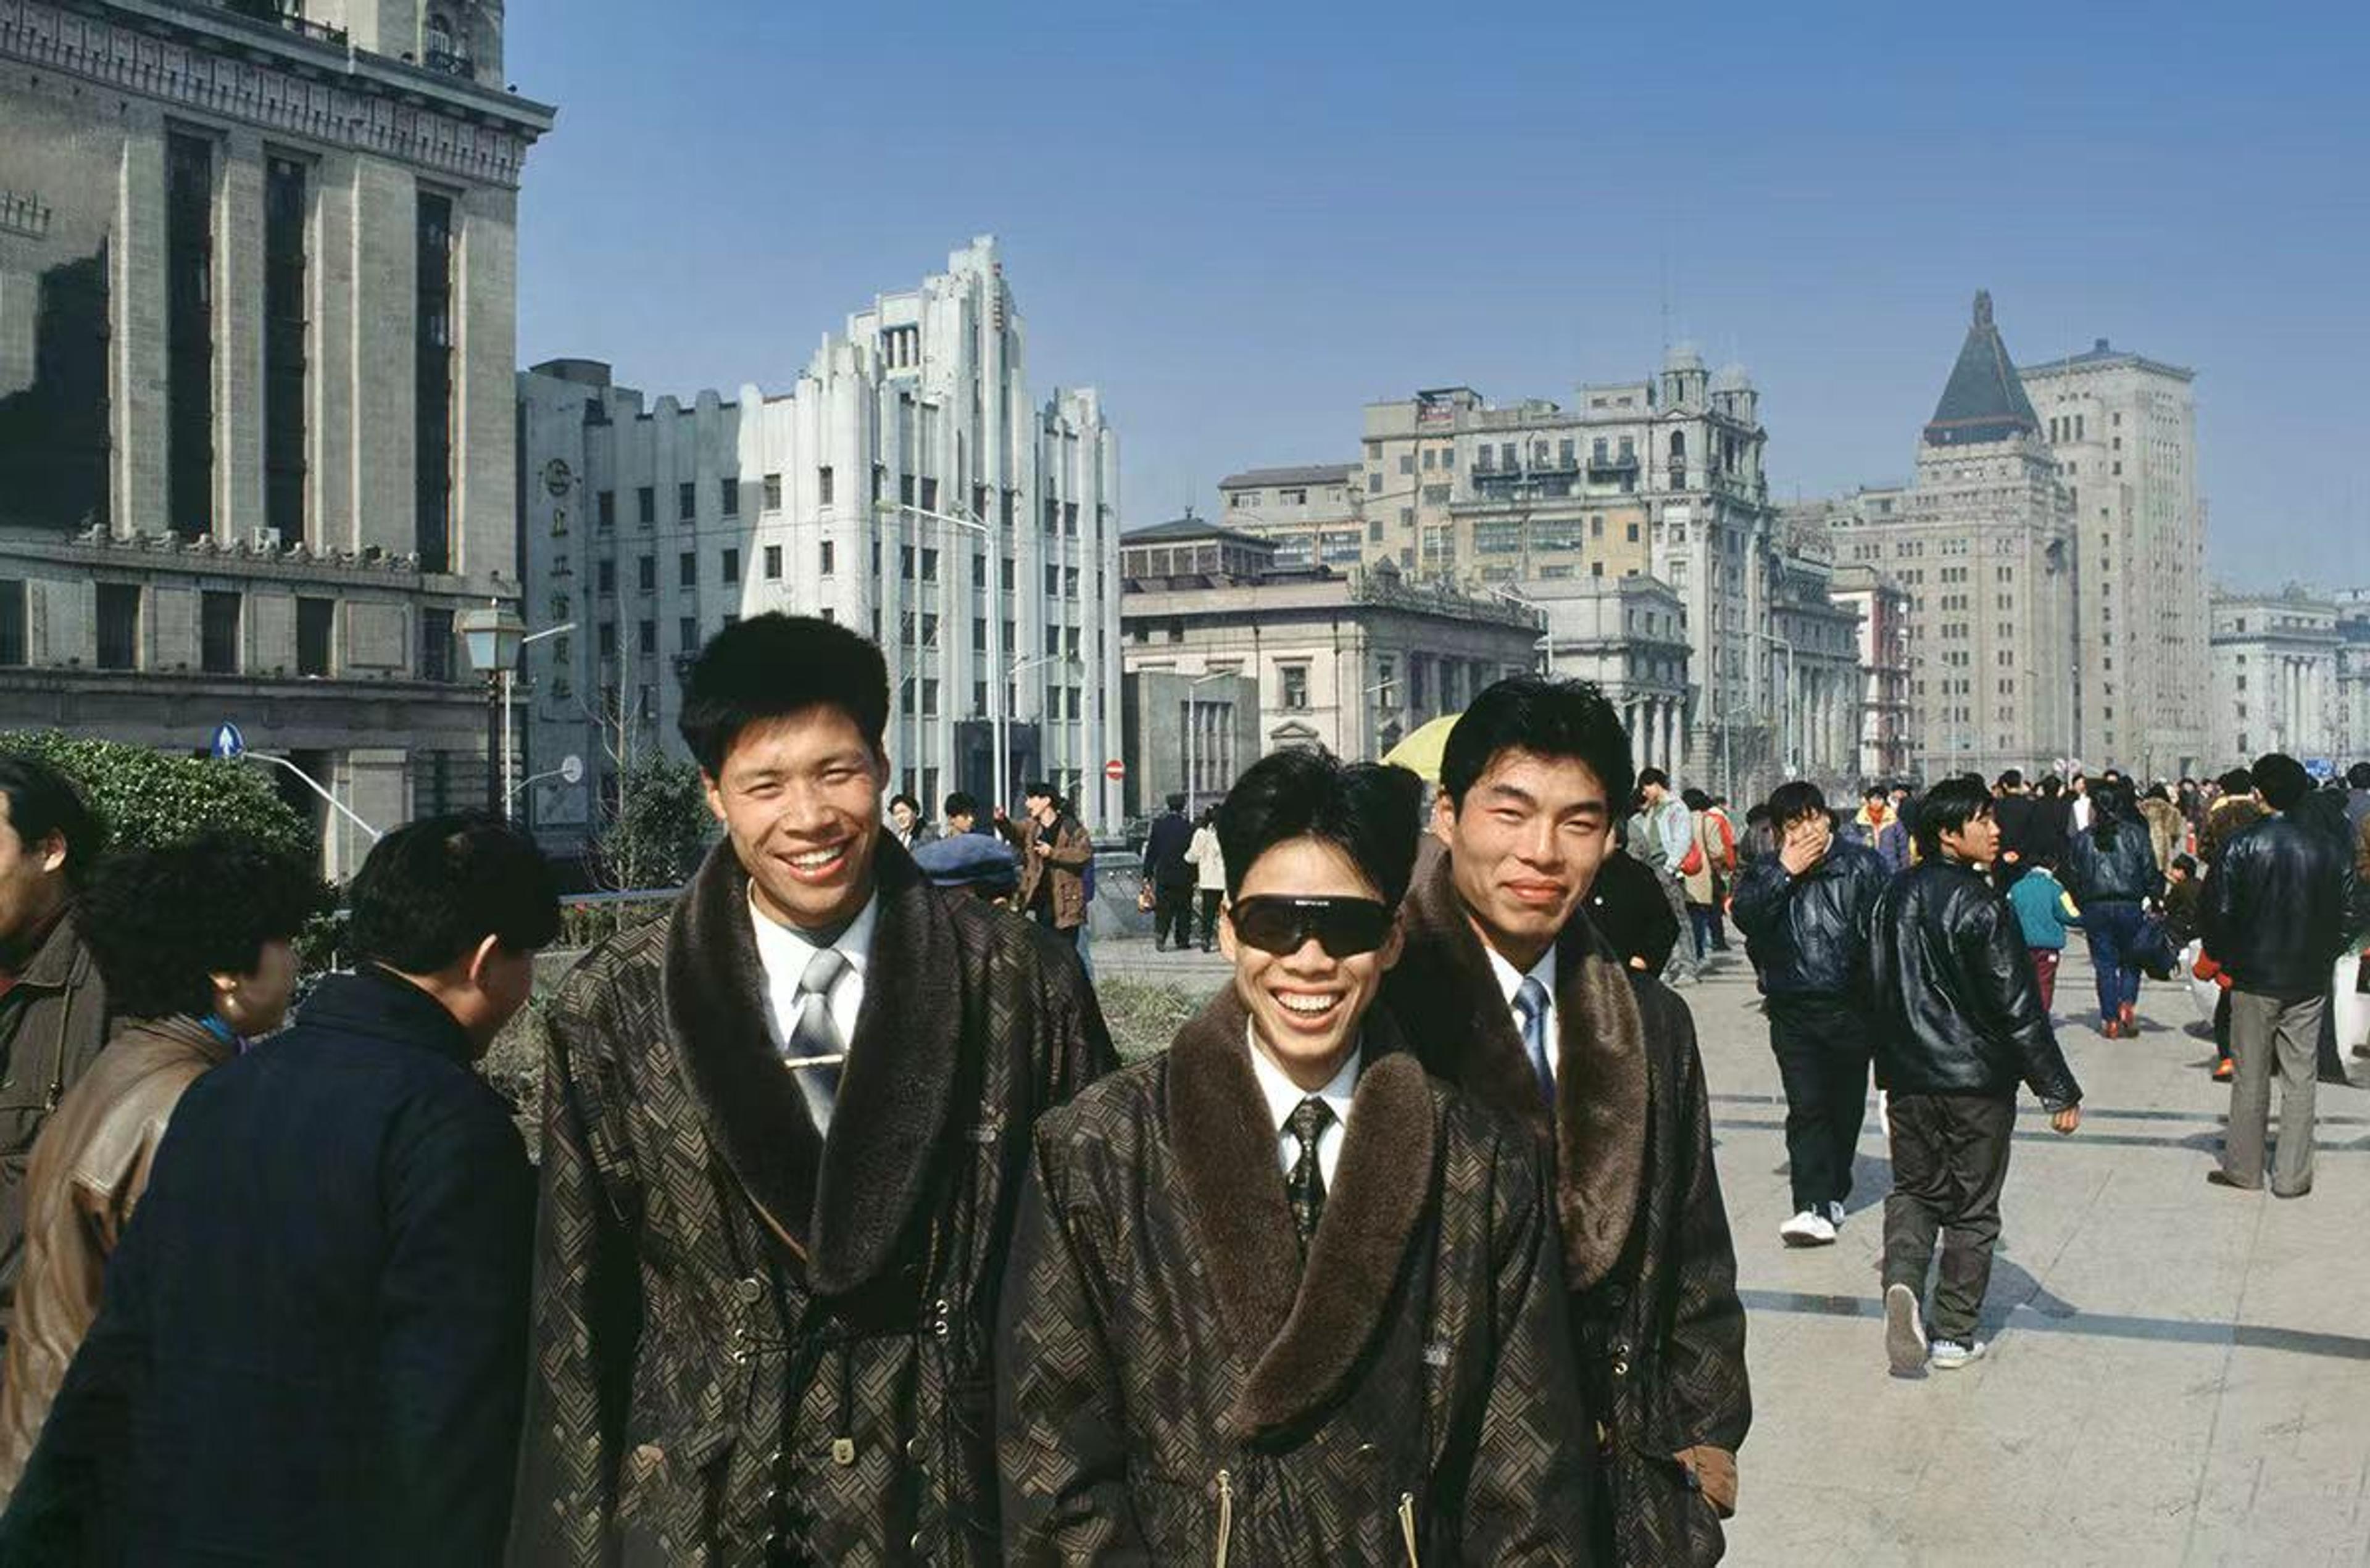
<point>1448,1001</point>
<point>1300,1330</point>
<point>845,1205</point>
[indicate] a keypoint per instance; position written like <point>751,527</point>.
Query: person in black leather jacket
<point>2276,910</point>
<point>2111,869</point>
<point>1804,915</point>
<point>1959,1025</point>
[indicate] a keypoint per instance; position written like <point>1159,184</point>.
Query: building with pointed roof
<point>1983,401</point>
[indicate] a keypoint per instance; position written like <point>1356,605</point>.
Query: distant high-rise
<point>2122,430</point>
<point>1984,542</point>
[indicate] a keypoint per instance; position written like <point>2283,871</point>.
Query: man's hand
<point>1041,847</point>
<point>2065,1121</point>
<point>1714,1473</point>
<point>1806,844</point>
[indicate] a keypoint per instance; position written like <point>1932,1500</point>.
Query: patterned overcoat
<point>754,1346</point>
<point>1173,1387</point>
<point>1647,1253</point>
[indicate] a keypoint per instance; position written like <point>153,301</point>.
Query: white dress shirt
<point>785,952</point>
<point>1283,1097</point>
<point>1510,980</point>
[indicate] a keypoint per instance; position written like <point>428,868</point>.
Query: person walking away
<point>1209,861</point>
<point>2051,828</point>
<point>1959,1025</point>
<point>785,1129</point>
<point>2166,829</point>
<point>2043,910</point>
<point>1279,1270</point>
<point>196,944</point>
<point>53,1008</point>
<point>2113,872</point>
<point>1054,854</point>
<point>1507,992</point>
<point>1170,877</point>
<point>2233,810</point>
<point>1700,879</point>
<point>2276,907</point>
<point>2323,811</point>
<point>2016,807</point>
<point>350,1205</point>
<point>1804,913</point>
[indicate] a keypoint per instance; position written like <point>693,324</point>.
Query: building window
<point>829,555</point>
<point>433,394</point>
<point>189,336</point>
<point>686,569</point>
<point>218,633</point>
<point>773,562</point>
<point>283,348</point>
<point>1633,533</point>
<point>1294,680</point>
<point>604,577</point>
<point>13,639</point>
<point>929,566</point>
<point>686,500</point>
<point>436,645</point>
<point>646,638</point>
<point>731,565</point>
<point>686,633</point>
<point>728,497</point>
<point>315,619</point>
<point>646,505</point>
<point>1374,484</point>
<point>604,505</point>
<point>604,642</point>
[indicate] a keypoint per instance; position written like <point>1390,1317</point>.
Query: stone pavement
<point>2179,1374</point>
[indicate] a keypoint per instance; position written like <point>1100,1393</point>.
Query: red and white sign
<point>1114,770</point>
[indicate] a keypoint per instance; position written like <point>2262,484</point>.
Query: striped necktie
<point>1531,1004</point>
<point>817,1036</point>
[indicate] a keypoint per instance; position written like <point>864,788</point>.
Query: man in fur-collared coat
<point>784,1132</point>
<point>1508,992</point>
<point>1277,1296</point>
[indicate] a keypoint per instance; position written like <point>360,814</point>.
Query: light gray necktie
<point>817,1036</point>
<point>1531,1001</point>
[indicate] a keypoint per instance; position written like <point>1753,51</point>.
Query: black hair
<point>960,805</point>
<point>1038,789</point>
<point>2052,786</point>
<point>1875,792</point>
<point>1793,800</point>
<point>1371,811</point>
<point>2012,778</point>
<point>774,665</point>
<point>2283,780</point>
<point>2112,808</point>
<point>1176,802</point>
<point>2185,863</point>
<point>2159,792</point>
<point>1696,799</point>
<point>163,922</point>
<point>2358,775</point>
<point>907,801</point>
<point>1756,815</point>
<point>433,889</point>
<point>2237,781</point>
<point>43,801</point>
<point>1650,777</point>
<point>1948,807</point>
<point>1548,718</point>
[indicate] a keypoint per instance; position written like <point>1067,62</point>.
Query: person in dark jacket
<point>1170,877</point>
<point>313,1339</point>
<point>1275,1296</point>
<point>2277,909</point>
<point>2050,829</point>
<point>1056,862</point>
<point>1508,992</point>
<point>54,1009</point>
<point>1959,1025</point>
<point>2112,871</point>
<point>1631,912</point>
<point>785,1128</point>
<point>2016,808</point>
<point>1804,915</point>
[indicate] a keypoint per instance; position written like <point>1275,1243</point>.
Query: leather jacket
<point>2276,907</point>
<point>2127,873</point>
<point>1957,998</point>
<point>1808,935</point>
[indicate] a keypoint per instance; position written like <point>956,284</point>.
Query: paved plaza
<point>2179,1373</point>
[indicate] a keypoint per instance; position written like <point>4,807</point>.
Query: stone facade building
<point>1628,635</point>
<point>1348,661</point>
<point>2276,661</point>
<point>2123,429</point>
<point>257,447</point>
<point>1307,512</point>
<point>1984,542</point>
<point>1881,638</point>
<point>906,486</point>
<point>2354,673</point>
<point>1819,690</point>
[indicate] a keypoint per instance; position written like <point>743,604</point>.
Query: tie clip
<point>795,1062</point>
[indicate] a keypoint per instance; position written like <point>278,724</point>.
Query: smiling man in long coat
<point>785,1131</point>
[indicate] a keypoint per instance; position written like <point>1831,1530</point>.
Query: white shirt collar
<point>1510,979</point>
<point>1284,1096</point>
<point>785,950</point>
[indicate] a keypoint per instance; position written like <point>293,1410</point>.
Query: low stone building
<point>2275,676</point>
<point>1628,635</point>
<point>1881,637</point>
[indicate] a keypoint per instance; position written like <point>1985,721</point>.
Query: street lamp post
<point>1189,775</point>
<point>494,636</point>
<point>991,590</point>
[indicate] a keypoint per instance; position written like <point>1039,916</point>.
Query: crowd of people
<point>849,1239</point>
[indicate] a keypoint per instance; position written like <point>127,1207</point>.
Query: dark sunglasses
<point>1344,927</point>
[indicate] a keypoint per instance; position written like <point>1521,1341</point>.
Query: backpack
<point>1693,864</point>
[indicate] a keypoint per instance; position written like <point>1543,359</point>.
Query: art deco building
<point>256,292</point>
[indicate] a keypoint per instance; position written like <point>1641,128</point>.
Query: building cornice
<point>226,66</point>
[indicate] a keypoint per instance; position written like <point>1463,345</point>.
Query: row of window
<point>222,626</point>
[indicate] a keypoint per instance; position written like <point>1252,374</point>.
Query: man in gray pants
<point>2276,912</point>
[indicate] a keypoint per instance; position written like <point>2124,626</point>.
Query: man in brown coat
<point>785,1128</point>
<point>53,1011</point>
<point>196,942</point>
<point>1055,851</point>
<point>1508,992</point>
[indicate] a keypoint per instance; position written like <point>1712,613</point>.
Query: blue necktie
<point>1531,1001</point>
<point>818,1035</point>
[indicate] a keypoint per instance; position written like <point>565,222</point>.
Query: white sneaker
<point>1835,1215</point>
<point>1904,1332</point>
<point>1948,1354</point>
<point>1808,1229</point>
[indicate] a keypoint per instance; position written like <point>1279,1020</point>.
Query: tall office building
<point>906,485</point>
<point>2122,430</point>
<point>257,295</point>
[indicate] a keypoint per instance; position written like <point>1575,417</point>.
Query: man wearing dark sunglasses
<point>1276,1295</point>
<point>1511,993</point>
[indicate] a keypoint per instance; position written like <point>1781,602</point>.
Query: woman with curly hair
<point>197,945</point>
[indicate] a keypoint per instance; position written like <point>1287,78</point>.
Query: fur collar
<point>1447,1000</point>
<point>843,1204</point>
<point>1302,1330</point>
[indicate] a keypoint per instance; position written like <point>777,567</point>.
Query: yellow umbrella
<point>1420,753</point>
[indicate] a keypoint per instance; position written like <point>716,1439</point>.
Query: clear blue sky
<point>1244,222</point>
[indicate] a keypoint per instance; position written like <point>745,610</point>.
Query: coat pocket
<point>670,1492</point>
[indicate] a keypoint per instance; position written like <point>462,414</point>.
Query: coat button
<point>914,1544</point>
<point>842,1451</point>
<point>1620,1367</point>
<point>915,1447</point>
<point>750,1289</point>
